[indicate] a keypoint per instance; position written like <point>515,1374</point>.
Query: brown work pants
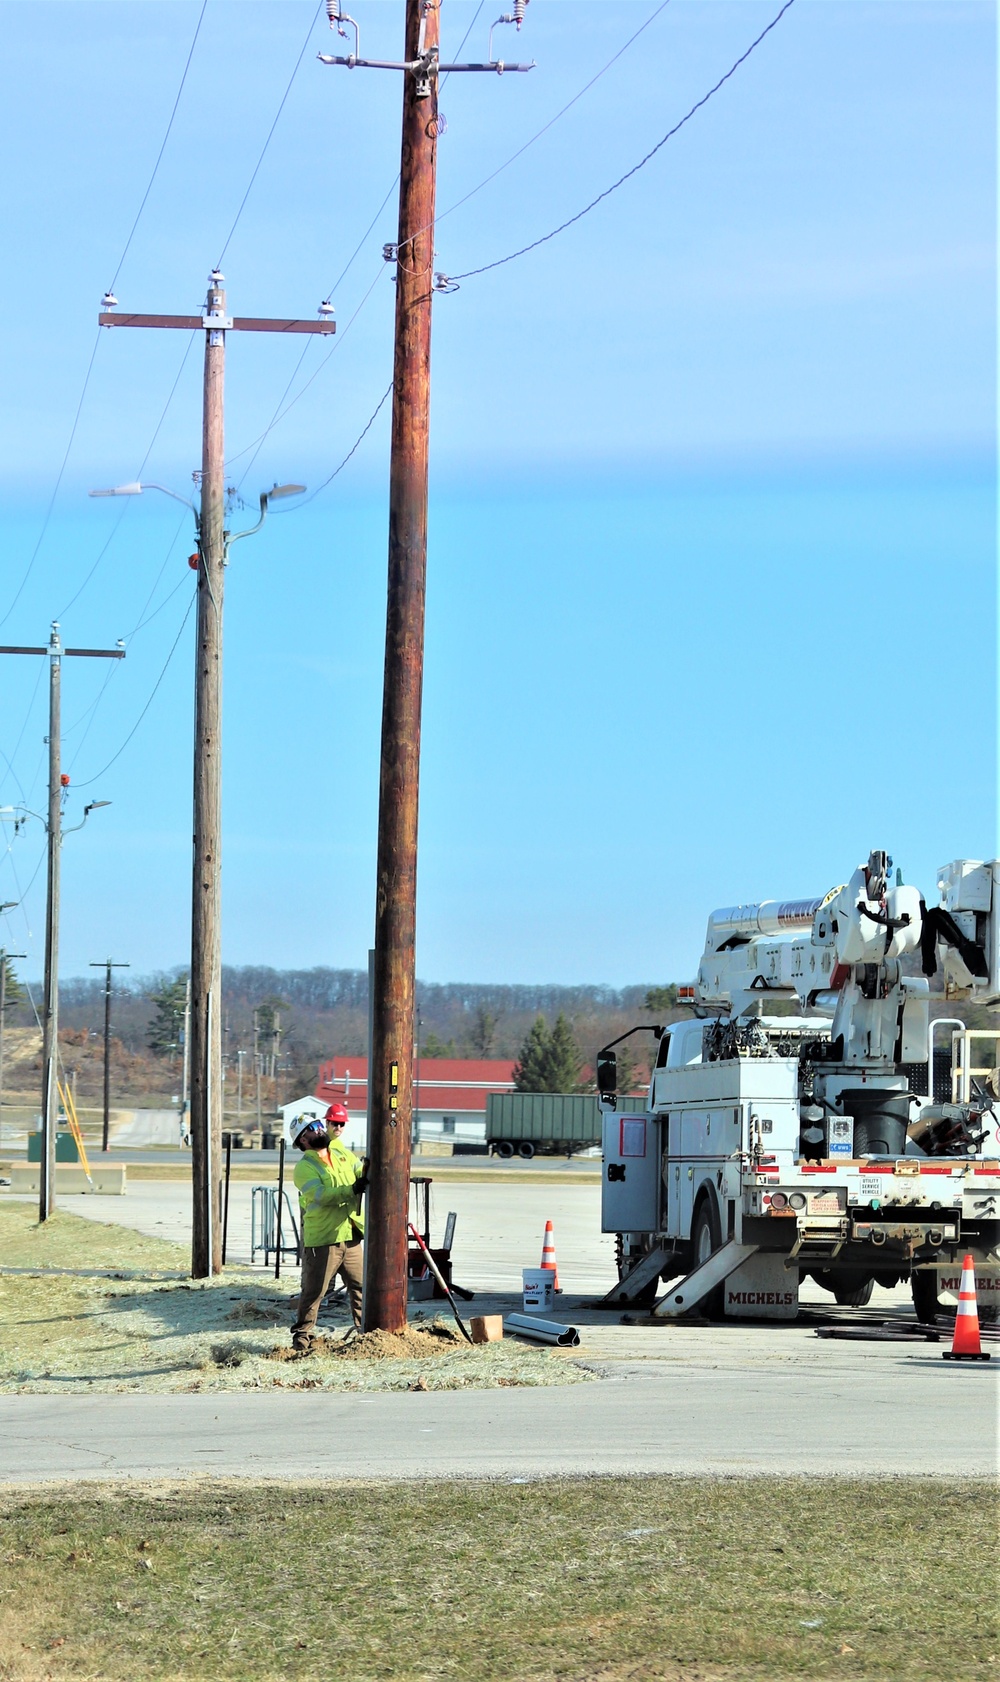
<point>321,1264</point>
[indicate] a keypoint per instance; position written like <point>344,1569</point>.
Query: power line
<point>280,413</point>
<point>524,249</point>
<point>55,488</point>
<point>163,672</point>
<point>553,120</point>
<point>93,354</point>
<point>139,472</point>
<point>270,132</point>
<point>163,145</point>
<point>357,442</point>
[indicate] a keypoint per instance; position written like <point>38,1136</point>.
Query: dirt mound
<point>415,1344</point>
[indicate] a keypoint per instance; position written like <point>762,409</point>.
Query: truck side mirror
<point>607,1074</point>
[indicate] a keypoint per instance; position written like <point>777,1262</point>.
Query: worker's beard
<point>319,1141</point>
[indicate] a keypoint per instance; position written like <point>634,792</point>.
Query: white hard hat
<point>300,1123</point>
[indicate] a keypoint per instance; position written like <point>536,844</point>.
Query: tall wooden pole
<point>5,958</point>
<point>50,1018</point>
<point>108,965</point>
<point>206,907</point>
<point>391,1066</point>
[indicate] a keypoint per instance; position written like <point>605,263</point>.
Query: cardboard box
<point>486,1328</point>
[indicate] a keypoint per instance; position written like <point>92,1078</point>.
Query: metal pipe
<point>769,916</point>
<point>277,1218</point>
<point>225,1203</point>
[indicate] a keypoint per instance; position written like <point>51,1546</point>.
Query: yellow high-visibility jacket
<point>330,1205</point>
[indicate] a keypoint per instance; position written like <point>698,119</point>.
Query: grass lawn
<point>128,1318</point>
<point>602,1580</point>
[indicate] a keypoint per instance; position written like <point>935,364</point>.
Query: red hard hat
<point>337,1112</point>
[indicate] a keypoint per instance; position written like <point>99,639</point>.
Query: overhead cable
<point>553,120</point>
<point>123,510</point>
<point>524,249</point>
<point>270,132</point>
<point>152,694</point>
<point>280,413</point>
<point>93,354</point>
<point>163,145</point>
<point>357,442</point>
<point>55,488</point>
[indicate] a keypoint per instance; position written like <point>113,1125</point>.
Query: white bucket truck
<point>776,1147</point>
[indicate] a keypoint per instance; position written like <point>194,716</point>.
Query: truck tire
<point>504,1149</point>
<point>526,1149</point>
<point>854,1294</point>
<point>849,1290</point>
<point>706,1238</point>
<point>924,1291</point>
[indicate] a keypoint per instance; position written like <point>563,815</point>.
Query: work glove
<point>361,1184</point>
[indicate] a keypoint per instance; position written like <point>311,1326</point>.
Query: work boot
<point>302,1346</point>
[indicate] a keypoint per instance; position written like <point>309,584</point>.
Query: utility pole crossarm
<point>236,323</point>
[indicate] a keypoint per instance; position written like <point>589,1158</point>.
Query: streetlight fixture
<point>135,488</point>
<point>213,544</point>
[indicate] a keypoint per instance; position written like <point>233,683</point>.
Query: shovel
<point>439,1276</point>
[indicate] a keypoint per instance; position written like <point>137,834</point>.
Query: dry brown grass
<point>602,1580</point>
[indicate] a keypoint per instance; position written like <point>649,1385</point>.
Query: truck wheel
<point>505,1149</point>
<point>855,1294</point>
<point>924,1291</point>
<point>706,1238</point>
<point>526,1149</point>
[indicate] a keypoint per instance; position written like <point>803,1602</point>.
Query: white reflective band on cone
<point>542,1331</point>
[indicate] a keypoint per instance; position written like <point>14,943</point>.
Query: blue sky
<point>711,598</point>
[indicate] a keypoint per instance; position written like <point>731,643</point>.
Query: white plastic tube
<point>542,1331</point>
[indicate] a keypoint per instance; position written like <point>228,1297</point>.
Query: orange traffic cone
<point>966,1345</point>
<point>549,1255</point>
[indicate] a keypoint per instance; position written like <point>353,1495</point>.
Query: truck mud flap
<point>715,1271</point>
<point>646,1269</point>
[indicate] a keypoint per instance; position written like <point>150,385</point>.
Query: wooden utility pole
<point>206,890</point>
<point>4,956</point>
<point>391,1070</point>
<point>108,965</point>
<point>50,1012</point>
<point>58,783</point>
<point>205,1030</point>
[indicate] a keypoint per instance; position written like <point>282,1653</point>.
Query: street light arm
<point>176,496</point>
<point>136,489</point>
<point>235,538</point>
<point>86,814</point>
<point>266,497</point>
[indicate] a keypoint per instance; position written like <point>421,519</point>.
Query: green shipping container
<point>527,1122</point>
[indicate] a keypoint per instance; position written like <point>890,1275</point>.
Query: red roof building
<point>449,1093</point>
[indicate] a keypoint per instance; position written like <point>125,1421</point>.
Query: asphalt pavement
<point>871,1415</point>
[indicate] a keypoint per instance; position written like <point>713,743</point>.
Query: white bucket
<point>537,1283</point>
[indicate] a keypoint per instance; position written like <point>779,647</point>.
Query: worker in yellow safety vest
<point>330,1181</point>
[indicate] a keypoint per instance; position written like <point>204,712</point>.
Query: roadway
<point>851,1411</point>
<point>728,1399</point>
